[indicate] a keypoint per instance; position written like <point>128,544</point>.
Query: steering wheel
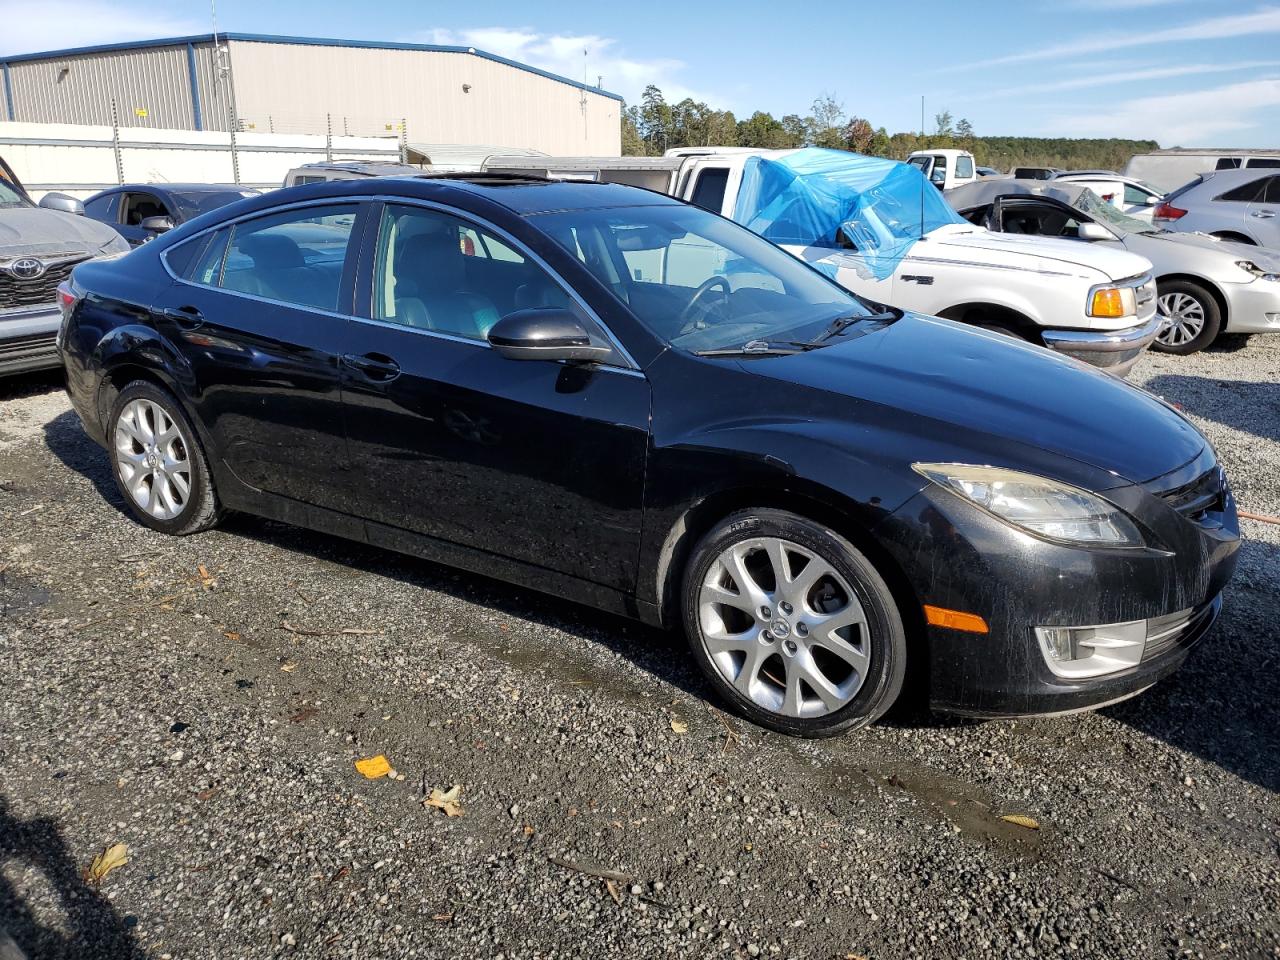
<point>687,322</point>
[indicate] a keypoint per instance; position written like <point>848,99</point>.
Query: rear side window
<point>295,257</point>
<point>1245,193</point>
<point>181,257</point>
<point>1228,163</point>
<point>1264,162</point>
<point>708,192</point>
<point>1272,194</point>
<point>103,208</point>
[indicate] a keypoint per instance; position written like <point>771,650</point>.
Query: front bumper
<point>1252,307</point>
<point>961,558</point>
<point>1115,351</point>
<point>28,339</point>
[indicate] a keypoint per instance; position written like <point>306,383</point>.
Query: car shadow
<point>90,928</point>
<point>29,384</point>
<point>1249,407</point>
<point>1227,716</point>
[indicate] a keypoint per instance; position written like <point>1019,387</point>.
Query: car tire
<point>1197,318</point>
<point>819,655</point>
<point>157,461</point>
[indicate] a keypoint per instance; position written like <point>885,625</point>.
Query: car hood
<point>989,399</point>
<point>36,231</point>
<point>1031,253</point>
<point>1149,244</point>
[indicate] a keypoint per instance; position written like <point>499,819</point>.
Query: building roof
<point>301,41</point>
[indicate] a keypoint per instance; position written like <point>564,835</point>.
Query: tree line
<point>653,126</point>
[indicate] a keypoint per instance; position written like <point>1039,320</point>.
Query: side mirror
<point>1093,231</point>
<point>157,224</point>
<point>550,333</point>
<point>62,202</point>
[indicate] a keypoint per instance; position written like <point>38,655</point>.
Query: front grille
<point>1204,495</point>
<point>1165,632</point>
<point>39,292</point>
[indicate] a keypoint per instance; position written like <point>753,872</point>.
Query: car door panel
<point>265,378</point>
<point>1264,215</point>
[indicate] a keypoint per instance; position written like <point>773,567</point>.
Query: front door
<point>538,461</point>
<point>135,208</point>
<point>260,316</point>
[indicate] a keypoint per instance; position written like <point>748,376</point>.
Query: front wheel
<point>793,625</point>
<point>159,467</point>
<point>1192,318</point>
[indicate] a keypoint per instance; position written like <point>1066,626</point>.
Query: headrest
<point>273,250</point>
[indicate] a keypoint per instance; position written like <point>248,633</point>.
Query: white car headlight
<point>1045,508</point>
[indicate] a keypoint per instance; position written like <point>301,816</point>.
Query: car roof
<point>177,188</point>
<point>522,195</point>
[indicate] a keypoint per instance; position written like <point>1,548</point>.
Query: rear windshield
<point>1184,188</point>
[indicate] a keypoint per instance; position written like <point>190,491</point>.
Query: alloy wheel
<point>1184,316</point>
<point>152,458</point>
<point>784,627</point>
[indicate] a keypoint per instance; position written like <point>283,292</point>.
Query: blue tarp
<point>809,196</point>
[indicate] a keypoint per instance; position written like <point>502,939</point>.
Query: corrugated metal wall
<point>443,97</point>
<point>150,81</point>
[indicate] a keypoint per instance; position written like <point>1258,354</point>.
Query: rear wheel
<point>159,467</point>
<point>1192,317</point>
<point>793,625</point>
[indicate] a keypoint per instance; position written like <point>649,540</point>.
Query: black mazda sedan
<point>612,396</point>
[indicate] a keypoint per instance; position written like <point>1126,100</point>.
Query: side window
<point>180,258</point>
<point>1245,193</point>
<point>1228,163</point>
<point>708,192</point>
<point>437,272</point>
<point>139,206</point>
<point>964,167</point>
<point>1133,195</point>
<point>295,257</point>
<point>1264,162</point>
<point>103,208</point>
<point>1272,194</point>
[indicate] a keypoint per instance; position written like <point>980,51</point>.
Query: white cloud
<point>1108,78</point>
<point>1190,119</point>
<point>1264,21</point>
<point>59,24</point>
<point>563,54</point>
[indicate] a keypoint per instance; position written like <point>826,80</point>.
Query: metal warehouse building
<point>427,93</point>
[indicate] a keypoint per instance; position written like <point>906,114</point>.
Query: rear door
<point>538,461</point>
<point>260,315</point>
<point>1264,214</point>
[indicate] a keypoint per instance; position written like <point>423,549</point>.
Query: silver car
<point>1240,205</point>
<point>1205,286</point>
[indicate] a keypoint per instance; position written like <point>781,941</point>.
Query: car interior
<point>140,206</point>
<point>292,265</point>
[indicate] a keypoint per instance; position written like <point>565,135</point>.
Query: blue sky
<point>1184,72</point>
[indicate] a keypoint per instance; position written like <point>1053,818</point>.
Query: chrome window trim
<point>516,244</point>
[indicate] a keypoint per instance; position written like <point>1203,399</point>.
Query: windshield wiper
<point>758,348</point>
<point>839,325</point>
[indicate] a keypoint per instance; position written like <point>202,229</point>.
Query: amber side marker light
<point>955,620</point>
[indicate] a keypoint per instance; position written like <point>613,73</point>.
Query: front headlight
<point>1044,508</point>
<point>1251,268</point>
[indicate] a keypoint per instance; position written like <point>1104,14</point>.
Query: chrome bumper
<point>1115,351</point>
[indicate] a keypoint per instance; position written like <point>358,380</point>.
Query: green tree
<point>799,130</point>
<point>763,130</point>
<point>826,122</point>
<point>858,135</point>
<point>655,120</point>
<point>943,124</point>
<point>964,130</point>
<point>632,143</point>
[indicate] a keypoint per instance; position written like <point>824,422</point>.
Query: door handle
<point>187,317</point>
<point>1263,214</point>
<point>375,366</point>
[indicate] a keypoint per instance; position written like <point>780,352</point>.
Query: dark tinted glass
<point>1245,193</point>
<point>708,192</point>
<point>181,258</point>
<point>1272,194</point>
<point>1264,162</point>
<point>191,205</point>
<point>1228,163</point>
<point>294,257</point>
<point>103,208</point>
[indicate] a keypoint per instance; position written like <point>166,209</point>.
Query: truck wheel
<point>793,625</point>
<point>1192,316</point>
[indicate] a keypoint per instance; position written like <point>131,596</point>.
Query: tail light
<point>67,297</point>
<point>1167,211</point>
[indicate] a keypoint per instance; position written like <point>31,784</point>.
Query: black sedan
<point>624,400</point>
<point>142,211</point>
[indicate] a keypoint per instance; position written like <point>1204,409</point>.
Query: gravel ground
<point>203,701</point>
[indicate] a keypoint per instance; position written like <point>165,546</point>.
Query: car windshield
<point>1090,203</point>
<point>698,281</point>
<point>9,197</point>
<point>196,202</point>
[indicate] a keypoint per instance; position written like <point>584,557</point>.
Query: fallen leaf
<point>446,800</point>
<point>208,794</point>
<point>679,726</point>
<point>306,713</point>
<point>207,580</point>
<point>1021,821</point>
<point>373,767</point>
<point>354,632</point>
<point>528,830</point>
<point>442,917</point>
<point>231,635</point>
<point>855,956</point>
<point>613,891</point>
<point>339,874</point>
<point>106,861</point>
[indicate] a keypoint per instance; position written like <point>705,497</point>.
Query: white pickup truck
<point>945,169</point>
<point>859,220</point>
